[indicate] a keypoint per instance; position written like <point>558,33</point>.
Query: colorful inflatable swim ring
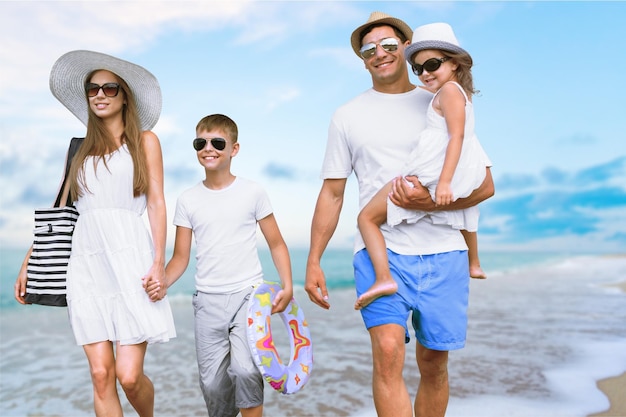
<point>284,378</point>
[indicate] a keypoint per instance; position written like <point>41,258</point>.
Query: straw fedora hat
<point>374,19</point>
<point>433,36</point>
<point>69,75</point>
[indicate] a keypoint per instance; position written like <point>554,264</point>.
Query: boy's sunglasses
<point>109,89</point>
<point>218,143</point>
<point>431,65</point>
<point>388,44</point>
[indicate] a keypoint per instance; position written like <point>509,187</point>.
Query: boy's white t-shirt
<point>224,224</point>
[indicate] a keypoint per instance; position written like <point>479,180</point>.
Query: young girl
<point>116,174</point>
<point>448,159</point>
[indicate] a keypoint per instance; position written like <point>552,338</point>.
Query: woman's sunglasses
<point>109,89</point>
<point>431,65</point>
<point>388,44</point>
<point>218,143</point>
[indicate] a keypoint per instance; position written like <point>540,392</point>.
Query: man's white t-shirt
<point>372,136</point>
<point>224,224</point>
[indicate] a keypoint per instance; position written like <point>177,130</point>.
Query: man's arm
<point>325,220</point>
<point>418,197</point>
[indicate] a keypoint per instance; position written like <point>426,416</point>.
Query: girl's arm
<point>155,206</point>
<point>282,261</point>
<point>451,103</point>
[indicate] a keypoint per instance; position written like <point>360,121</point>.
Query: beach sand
<point>44,373</point>
<point>615,390</point>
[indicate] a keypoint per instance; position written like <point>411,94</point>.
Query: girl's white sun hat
<point>433,36</point>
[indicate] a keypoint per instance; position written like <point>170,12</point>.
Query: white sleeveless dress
<point>426,161</point>
<point>111,251</point>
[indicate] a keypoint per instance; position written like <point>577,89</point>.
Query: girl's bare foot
<point>477,272</point>
<point>377,290</point>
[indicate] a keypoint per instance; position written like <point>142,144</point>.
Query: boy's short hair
<point>219,122</point>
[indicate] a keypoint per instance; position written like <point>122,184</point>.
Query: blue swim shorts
<point>435,288</point>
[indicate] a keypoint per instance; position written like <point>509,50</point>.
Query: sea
<point>543,329</point>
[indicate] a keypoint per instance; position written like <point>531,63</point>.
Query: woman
<point>116,175</point>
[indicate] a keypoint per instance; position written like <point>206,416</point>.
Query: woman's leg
<point>137,386</point>
<point>369,220</point>
<point>102,368</point>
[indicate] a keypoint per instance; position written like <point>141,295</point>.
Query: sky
<point>550,112</point>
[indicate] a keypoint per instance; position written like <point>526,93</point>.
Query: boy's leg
<point>243,370</point>
<point>369,220</point>
<point>213,353</point>
<point>471,239</point>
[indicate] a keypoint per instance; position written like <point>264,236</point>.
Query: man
<point>372,135</point>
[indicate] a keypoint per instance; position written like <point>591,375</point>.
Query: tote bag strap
<point>74,145</point>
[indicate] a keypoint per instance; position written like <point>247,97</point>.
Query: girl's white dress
<point>111,251</point>
<point>426,161</point>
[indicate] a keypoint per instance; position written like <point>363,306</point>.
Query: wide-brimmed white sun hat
<point>375,19</point>
<point>69,75</point>
<point>433,36</point>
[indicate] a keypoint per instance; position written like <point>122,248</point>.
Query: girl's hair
<point>464,71</point>
<point>99,142</point>
<point>219,122</point>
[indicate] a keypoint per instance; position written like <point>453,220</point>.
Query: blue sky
<point>550,113</point>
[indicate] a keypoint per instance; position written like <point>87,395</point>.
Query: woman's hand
<point>20,286</point>
<point>155,283</point>
<point>20,282</point>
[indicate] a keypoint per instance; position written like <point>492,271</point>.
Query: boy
<point>222,212</point>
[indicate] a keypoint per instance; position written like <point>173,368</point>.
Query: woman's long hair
<point>99,142</point>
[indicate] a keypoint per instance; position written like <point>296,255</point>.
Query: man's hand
<point>315,285</point>
<point>409,193</point>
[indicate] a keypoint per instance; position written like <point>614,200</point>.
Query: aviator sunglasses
<point>431,65</point>
<point>218,143</point>
<point>109,89</point>
<point>388,44</point>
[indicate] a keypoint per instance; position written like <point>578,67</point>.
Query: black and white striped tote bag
<point>47,265</point>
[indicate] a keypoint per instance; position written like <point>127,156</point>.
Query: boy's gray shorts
<point>229,378</point>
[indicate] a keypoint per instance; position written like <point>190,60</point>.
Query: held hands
<point>155,283</point>
<point>409,193</point>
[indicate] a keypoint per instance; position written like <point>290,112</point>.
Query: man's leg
<point>391,397</point>
<point>440,326</point>
<point>433,391</point>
